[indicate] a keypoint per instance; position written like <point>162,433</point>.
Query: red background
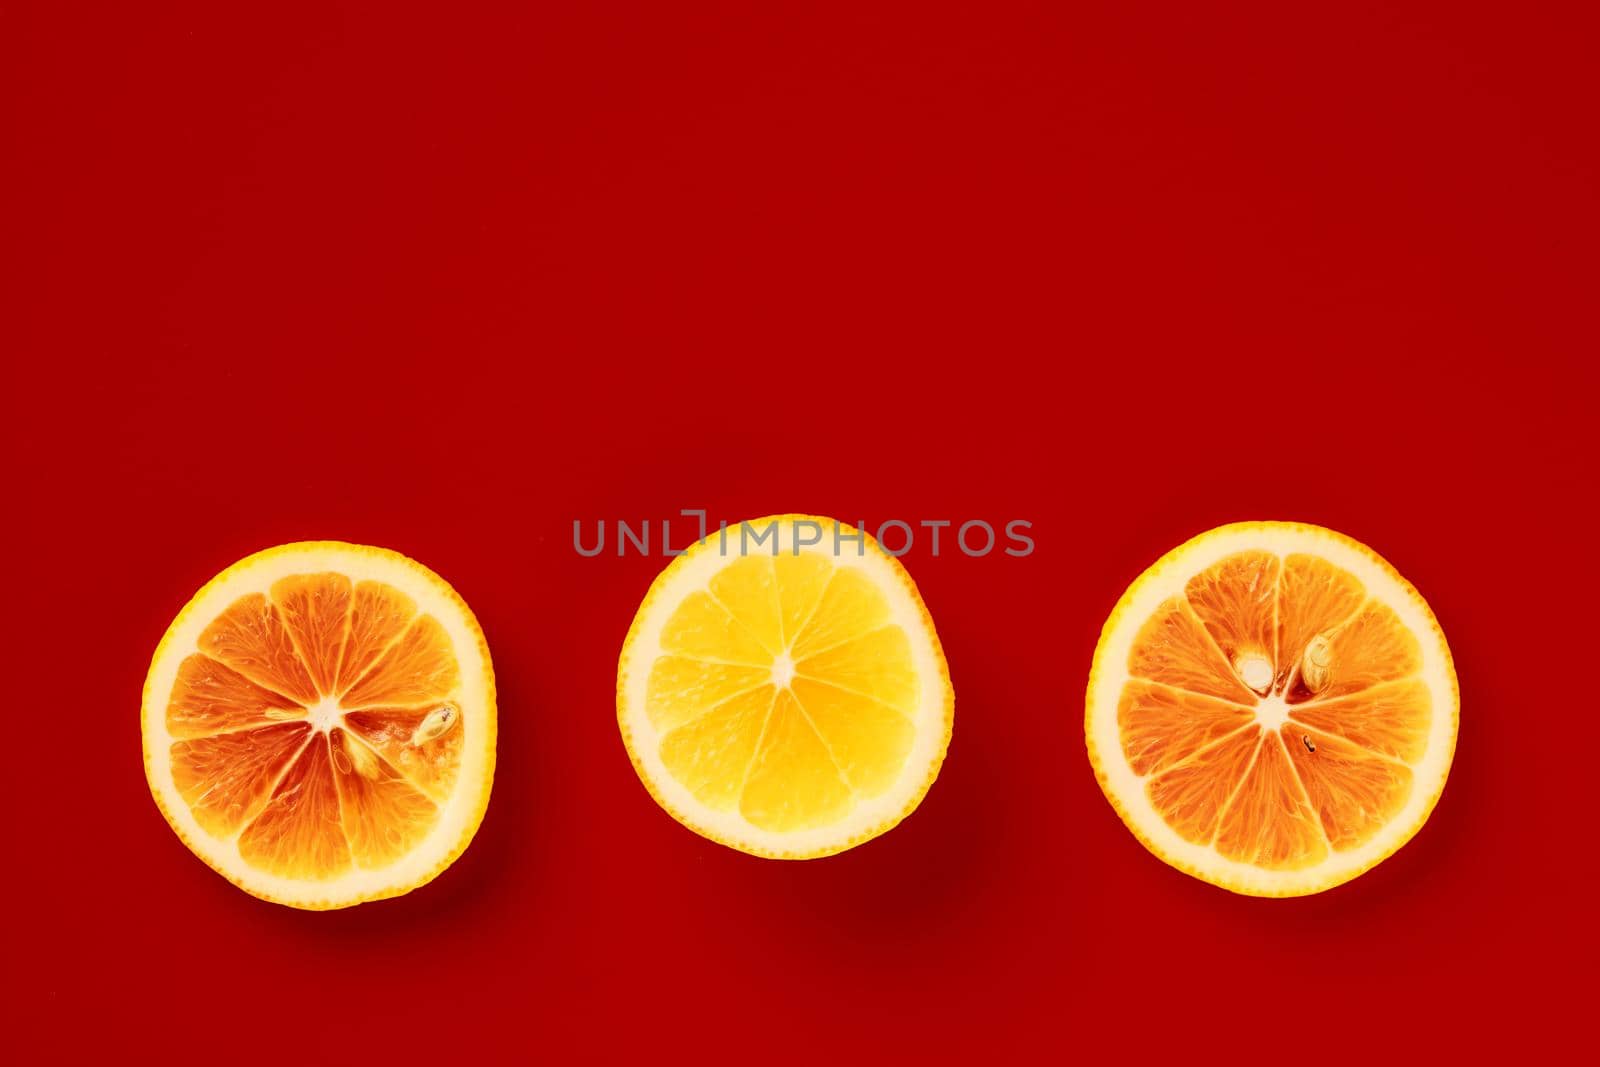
<point>446,281</point>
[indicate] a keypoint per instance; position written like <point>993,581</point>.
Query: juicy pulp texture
<point>314,726</point>
<point>1273,710</point>
<point>784,691</point>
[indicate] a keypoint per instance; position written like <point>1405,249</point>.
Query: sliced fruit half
<point>1272,708</point>
<point>319,724</point>
<point>782,690</point>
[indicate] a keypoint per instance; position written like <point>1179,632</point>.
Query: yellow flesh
<point>785,692</point>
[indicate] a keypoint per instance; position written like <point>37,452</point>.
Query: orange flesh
<point>1221,764</point>
<point>363,783</point>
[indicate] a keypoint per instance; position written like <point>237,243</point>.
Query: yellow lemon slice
<point>782,690</point>
<point>319,724</point>
<point>1272,708</point>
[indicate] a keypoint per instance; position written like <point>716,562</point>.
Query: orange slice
<point>1272,708</point>
<point>319,724</point>
<point>784,692</point>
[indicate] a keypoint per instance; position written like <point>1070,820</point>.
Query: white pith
<point>782,670</point>
<point>325,714</point>
<point>693,572</point>
<point>1272,712</point>
<point>475,701</point>
<point>1127,789</point>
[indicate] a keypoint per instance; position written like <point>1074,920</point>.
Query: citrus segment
<point>379,613</point>
<point>1371,648</point>
<point>878,664</point>
<point>419,668</point>
<point>299,834</point>
<point>1236,600</point>
<point>319,724</point>
<point>703,629</point>
<point>414,741</point>
<point>681,689</point>
<point>1192,795</point>
<point>1174,649</point>
<point>208,698</point>
<point>711,755</point>
<point>315,609</point>
<point>783,699</point>
<point>1315,597</point>
<point>384,814</point>
<point>1272,708</point>
<point>868,739</point>
<point>794,783</point>
<point>748,590</point>
<point>226,778</point>
<point>1268,822</point>
<point>250,637</point>
<point>849,607</point>
<point>801,581</point>
<point>1392,720</point>
<point>1162,726</point>
<point>1353,792</point>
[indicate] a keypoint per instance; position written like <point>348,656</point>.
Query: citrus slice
<point>319,724</point>
<point>1272,708</point>
<point>782,690</point>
